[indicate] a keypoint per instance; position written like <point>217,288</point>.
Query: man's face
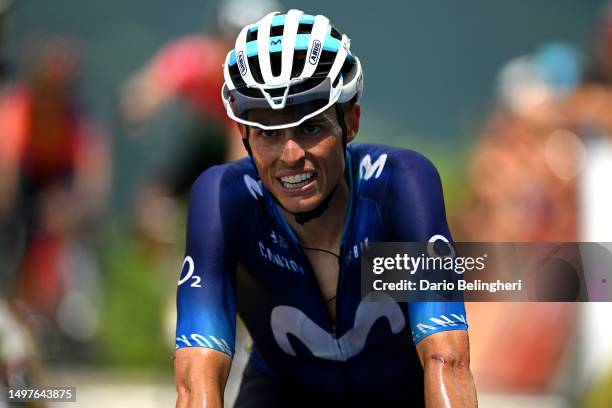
<point>301,165</point>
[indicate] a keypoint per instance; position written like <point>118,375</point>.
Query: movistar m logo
<point>275,42</point>
<point>315,52</point>
<point>287,320</point>
<point>253,186</point>
<point>242,66</point>
<point>367,169</point>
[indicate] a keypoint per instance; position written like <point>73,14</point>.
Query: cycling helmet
<point>294,62</point>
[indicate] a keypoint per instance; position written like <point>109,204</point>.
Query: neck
<point>323,232</point>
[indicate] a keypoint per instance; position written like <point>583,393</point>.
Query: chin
<point>300,206</point>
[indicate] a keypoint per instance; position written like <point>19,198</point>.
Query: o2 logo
<point>196,281</point>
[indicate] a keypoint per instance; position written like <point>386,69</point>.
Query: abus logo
<point>315,52</point>
<point>242,63</point>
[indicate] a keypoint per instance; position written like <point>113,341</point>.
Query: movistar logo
<point>287,320</point>
<point>367,169</point>
<point>315,52</point>
<point>275,42</point>
<point>254,186</point>
<point>242,66</point>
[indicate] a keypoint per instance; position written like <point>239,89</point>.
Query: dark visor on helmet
<point>292,108</point>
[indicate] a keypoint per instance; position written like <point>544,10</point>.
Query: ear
<point>240,128</point>
<point>352,115</point>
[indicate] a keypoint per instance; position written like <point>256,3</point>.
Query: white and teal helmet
<point>294,62</point>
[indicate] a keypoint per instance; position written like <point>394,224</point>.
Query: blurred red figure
<point>54,168</point>
<point>188,68</point>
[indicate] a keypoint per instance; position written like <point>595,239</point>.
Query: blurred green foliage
<point>136,289</point>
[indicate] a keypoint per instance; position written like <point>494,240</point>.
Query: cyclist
<point>277,236</point>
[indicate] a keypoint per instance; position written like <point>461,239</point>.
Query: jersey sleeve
<point>417,215</point>
<point>206,304</point>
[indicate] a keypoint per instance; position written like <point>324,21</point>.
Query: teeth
<point>298,178</point>
<point>298,185</point>
<point>296,181</point>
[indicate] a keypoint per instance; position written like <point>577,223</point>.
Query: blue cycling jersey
<point>395,195</point>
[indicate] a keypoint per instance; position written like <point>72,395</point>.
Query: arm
<point>445,358</point>
<point>439,329</point>
<point>200,377</point>
<point>206,305</point>
<point>187,67</point>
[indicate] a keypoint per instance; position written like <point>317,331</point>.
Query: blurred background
<point>109,111</point>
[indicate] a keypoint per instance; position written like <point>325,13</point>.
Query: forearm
<point>445,357</point>
<point>200,376</point>
<point>448,383</point>
<point>207,394</point>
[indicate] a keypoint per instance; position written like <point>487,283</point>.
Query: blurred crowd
<point>74,278</point>
<point>535,170</point>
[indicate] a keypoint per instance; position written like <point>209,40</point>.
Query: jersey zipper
<point>338,303</point>
<point>333,329</point>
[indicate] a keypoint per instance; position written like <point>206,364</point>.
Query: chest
<point>326,269</point>
<point>325,286</point>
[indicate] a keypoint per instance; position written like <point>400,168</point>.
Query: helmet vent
<point>325,63</point>
<point>277,31</point>
<point>251,35</point>
<point>299,59</point>
<point>236,77</point>
<point>304,28</point>
<point>276,62</point>
<point>336,34</point>
<point>255,69</point>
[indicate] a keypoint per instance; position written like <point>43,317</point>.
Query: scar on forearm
<point>444,361</point>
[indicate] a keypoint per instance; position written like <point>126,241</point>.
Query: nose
<point>292,153</point>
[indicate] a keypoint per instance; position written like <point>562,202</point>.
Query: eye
<point>311,129</point>
<point>267,134</point>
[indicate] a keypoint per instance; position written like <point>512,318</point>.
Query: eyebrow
<point>316,120</point>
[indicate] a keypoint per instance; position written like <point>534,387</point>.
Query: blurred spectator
<point>187,70</point>
<point>19,364</point>
<point>523,169</point>
<point>8,239</point>
<point>5,8</point>
<point>55,173</point>
<point>589,109</point>
<point>522,188</point>
<point>190,68</point>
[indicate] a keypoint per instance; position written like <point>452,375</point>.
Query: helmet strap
<point>342,123</point>
<point>247,146</point>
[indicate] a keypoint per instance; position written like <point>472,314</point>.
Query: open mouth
<point>297,180</point>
